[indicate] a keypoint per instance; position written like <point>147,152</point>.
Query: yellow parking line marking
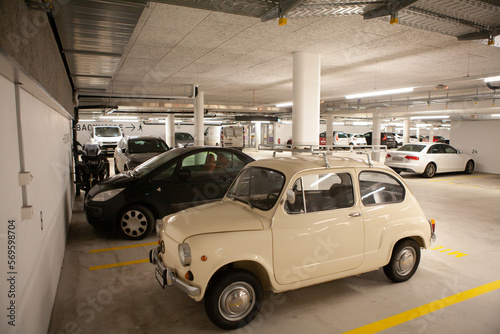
<point>121,247</point>
<point>425,309</point>
<point>120,264</point>
<point>458,178</point>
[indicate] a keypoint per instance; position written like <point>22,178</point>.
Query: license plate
<point>397,158</point>
<point>160,277</point>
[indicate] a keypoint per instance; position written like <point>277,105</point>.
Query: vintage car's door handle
<point>355,214</point>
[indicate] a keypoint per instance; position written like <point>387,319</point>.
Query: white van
<point>213,136</point>
<point>233,136</point>
<point>107,137</point>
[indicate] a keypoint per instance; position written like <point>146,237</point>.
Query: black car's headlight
<point>106,195</point>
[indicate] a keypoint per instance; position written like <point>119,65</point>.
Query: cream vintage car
<point>288,223</point>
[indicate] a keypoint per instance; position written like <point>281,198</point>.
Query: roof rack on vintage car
<point>325,149</point>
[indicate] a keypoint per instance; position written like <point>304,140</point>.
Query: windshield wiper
<point>242,198</point>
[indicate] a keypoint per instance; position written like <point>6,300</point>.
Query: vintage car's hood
<point>222,216</point>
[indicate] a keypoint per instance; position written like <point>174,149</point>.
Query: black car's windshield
<point>146,146</point>
<point>411,148</point>
<point>258,187</point>
<point>156,161</point>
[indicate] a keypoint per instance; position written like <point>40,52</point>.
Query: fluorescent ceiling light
<point>285,104</point>
<point>380,92</point>
<point>429,117</point>
<point>94,120</point>
<point>338,123</point>
<point>495,115</point>
<point>400,125</point>
<point>491,79</point>
<point>286,122</point>
<point>361,123</point>
<point>118,117</point>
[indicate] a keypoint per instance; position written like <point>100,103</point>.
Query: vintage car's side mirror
<point>290,196</point>
<point>184,174</point>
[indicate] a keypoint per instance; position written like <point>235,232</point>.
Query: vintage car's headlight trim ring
<point>184,254</point>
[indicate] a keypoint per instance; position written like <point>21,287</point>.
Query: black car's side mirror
<point>184,174</point>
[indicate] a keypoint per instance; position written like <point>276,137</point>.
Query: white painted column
<point>199,103</point>
<point>406,130</point>
<point>258,134</point>
<point>431,134</point>
<point>306,98</point>
<point>376,135</point>
<point>418,132</point>
<point>170,130</point>
<point>329,129</point>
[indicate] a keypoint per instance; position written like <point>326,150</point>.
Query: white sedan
<point>356,139</point>
<point>428,159</point>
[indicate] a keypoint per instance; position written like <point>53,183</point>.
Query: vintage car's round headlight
<point>185,254</point>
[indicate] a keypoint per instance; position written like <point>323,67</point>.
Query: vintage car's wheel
<point>233,298</point>
<point>404,261</point>
<point>469,168</point>
<point>430,170</point>
<point>136,222</point>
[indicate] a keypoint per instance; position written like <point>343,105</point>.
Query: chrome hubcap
<point>236,301</point>
<point>134,223</point>
<point>406,261</point>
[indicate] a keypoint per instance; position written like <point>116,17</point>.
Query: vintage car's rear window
<point>380,188</point>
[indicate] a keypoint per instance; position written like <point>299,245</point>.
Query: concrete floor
<point>127,299</point>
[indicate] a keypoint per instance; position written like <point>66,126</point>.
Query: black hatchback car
<point>386,138</point>
<point>131,202</point>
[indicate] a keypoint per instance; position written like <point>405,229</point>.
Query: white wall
<point>84,129</point>
<point>480,140</point>
<point>40,241</point>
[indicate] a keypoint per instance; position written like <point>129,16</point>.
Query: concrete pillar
<point>376,135</point>
<point>431,134</point>
<point>329,129</point>
<point>258,134</point>
<point>170,130</point>
<point>199,103</point>
<point>306,98</point>
<point>406,130</point>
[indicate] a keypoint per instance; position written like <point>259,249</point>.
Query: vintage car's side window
<point>380,188</point>
<point>298,203</point>
<point>322,192</point>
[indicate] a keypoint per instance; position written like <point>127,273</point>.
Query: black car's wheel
<point>469,167</point>
<point>430,170</point>
<point>136,222</point>
<point>233,298</point>
<point>404,261</point>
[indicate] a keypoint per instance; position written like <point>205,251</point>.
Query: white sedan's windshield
<point>258,187</point>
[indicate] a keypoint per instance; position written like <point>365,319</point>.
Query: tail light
<point>433,225</point>
<point>388,156</point>
<point>384,137</point>
<point>411,157</point>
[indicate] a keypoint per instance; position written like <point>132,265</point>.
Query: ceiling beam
<point>389,8</point>
<point>280,10</point>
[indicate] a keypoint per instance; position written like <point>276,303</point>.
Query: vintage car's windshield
<point>258,187</point>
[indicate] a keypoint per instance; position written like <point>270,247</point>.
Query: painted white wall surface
<point>478,139</point>
<point>84,129</point>
<point>40,241</point>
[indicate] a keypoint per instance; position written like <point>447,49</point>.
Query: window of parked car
<point>146,146</point>
<point>321,192</point>
<point>436,149</point>
<point>411,148</point>
<point>380,188</point>
<point>449,149</point>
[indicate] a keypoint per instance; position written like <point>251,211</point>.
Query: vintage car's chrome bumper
<point>168,276</point>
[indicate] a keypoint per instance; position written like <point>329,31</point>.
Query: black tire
<point>469,167</point>
<point>136,222</point>
<point>236,288</point>
<point>430,170</point>
<point>404,261</point>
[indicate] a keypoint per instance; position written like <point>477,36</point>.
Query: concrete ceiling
<point>244,64</point>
